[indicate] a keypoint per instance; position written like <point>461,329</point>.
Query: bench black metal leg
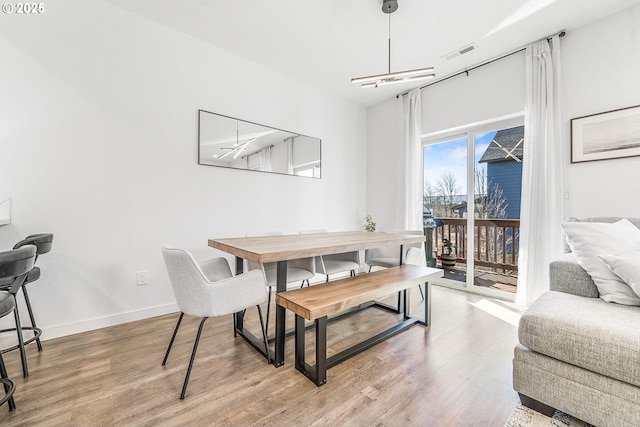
<point>299,344</point>
<point>321,351</point>
<point>317,373</point>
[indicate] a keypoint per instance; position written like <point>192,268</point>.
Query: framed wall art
<point>609,135</point>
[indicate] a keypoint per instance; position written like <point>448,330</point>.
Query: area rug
<point>522,416</point>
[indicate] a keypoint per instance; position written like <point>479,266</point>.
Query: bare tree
<point>430,199</point>
<point>481,180</point>
<point>490,202</point>
<point>446,188</point>
<point>496,205</point>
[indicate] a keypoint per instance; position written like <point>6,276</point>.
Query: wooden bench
<point>320,301</point>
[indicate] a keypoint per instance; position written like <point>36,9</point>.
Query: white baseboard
<point>105,321</point>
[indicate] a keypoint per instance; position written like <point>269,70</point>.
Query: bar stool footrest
<point>8,394</point>
<point>37,333</point>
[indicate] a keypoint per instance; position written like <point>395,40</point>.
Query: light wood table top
<point>294,246</point>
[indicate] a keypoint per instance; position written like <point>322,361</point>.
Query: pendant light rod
<point>388,7</point>
<point>390,42</point>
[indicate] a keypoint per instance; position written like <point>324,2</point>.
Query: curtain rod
<point>256,152</point>
<point>466,71</point>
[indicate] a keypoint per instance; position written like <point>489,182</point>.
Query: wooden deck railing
<point>496,241</point>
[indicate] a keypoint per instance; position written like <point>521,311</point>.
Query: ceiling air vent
<point>461,51</point>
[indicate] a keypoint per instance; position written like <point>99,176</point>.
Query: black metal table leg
<point>401,301</point>
<point>281,286</point>
<point>239,316</point>
<point>427,312</point>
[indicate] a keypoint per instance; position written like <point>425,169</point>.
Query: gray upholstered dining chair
<point>298,271</point>
<point>389,256</point>
<point>415,256</point>
<point>385,257</point>
<point>209,290</point>
<point>346,262</point>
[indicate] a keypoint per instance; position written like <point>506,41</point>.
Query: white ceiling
<point>327,42</point>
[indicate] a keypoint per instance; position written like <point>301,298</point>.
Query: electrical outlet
<point>142,278</point>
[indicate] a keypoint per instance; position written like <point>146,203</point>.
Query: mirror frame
<point>239,121</point>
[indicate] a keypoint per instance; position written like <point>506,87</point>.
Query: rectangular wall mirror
<point>233,143</point>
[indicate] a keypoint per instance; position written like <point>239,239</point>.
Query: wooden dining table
<point>286,247</point>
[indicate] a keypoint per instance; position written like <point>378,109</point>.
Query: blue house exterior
<point>508,175</point>
<point>504,168</point>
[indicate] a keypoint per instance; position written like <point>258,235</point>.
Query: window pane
<point>498,184</point>
<point>445,198</point>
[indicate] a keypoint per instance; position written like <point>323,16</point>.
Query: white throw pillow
<point>587,240</point>
<point>626,267</point>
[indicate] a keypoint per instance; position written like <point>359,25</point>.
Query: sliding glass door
<point>472,187</point>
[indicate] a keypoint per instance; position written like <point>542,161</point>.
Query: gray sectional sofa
<point>578,353</point>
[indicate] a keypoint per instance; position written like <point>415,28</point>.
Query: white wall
<point>600,72</point>
<point>491,91</point>
<point>98,144</point>
<point>384,165</point>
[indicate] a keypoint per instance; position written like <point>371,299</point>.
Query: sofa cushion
<point>586,332</point>
<point>589,240</point>
<point>602,401</point>
<point>566,275</point>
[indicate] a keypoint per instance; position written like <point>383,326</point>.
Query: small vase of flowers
<point>369,225</point>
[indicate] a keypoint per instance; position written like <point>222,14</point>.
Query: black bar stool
<point>14,264</point>
<point>43,243</point>
<point>7,304</point>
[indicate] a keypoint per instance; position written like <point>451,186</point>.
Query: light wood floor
<point>455,373</point>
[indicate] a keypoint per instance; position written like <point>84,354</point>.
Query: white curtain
<point>265,159</point>
<point>412,182</point>
<point>542,189</point>
<point>289,142</point>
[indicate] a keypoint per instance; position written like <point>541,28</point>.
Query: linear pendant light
<point>388,7</point>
